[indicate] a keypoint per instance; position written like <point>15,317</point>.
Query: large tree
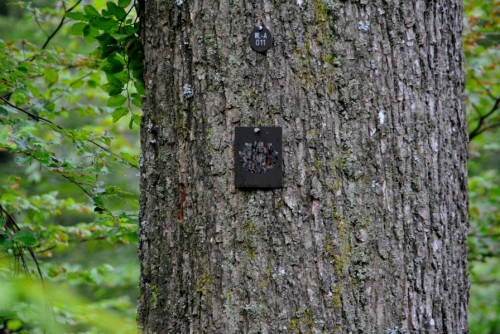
<point>368,232</point>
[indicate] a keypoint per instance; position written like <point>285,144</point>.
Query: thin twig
<point>487,127</point>
<point>126,15</point>
<point>59,26</point>
<point>35,16</point>
<point>35,117</point>
<point>486,89</point>
<point>78,184</point>
<point>72,241</point>
<point>479,127</point>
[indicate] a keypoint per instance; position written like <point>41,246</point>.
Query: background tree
<point>368,232</point>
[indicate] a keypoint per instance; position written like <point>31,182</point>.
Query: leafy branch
<point>11,236</point>
<point>60,129</point>
<point>120,53</point>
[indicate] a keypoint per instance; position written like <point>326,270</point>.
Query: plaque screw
<point>260,28</point>
<point>256,130</point>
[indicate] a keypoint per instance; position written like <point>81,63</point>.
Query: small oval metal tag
<point>261,39</point>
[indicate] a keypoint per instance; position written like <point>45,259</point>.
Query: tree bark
<point>368,233</point>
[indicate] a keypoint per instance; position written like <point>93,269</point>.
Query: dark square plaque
<point>258,157</point>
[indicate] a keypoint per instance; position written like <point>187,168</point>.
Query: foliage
<point>481,37</point>
<point>69,167</point>
<point>485,297</point>
<point>119,50</point>
<point>33,308</point>
<point>484,191</point>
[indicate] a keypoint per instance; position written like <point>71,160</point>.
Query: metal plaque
<point>258,157</point>
<point>261,39</point>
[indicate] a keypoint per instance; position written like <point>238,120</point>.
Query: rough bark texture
<point>368,234</point>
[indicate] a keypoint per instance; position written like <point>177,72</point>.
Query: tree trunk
<point>368,233</point>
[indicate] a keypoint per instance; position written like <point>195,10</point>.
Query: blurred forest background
<point>70,96</point>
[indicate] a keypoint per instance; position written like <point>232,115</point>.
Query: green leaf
<point>129,30</point>
<point>118,12</point>
<point>91,11</point>
<point>112,64</point>
<point>92,83</point>
<point>77,16</point>
<point>107,45</point>
<point>135,119</point>
<point>138,75</point>
<point>107,50</point>
<point>114,86</point>
<point>137,101</point>
<point>106,39</point>
<point>23,68</point>
<point>42,156</point>
<point>5,141</point>
<point>119,113</point>
<point>2,222</point>
<point>123,76</point>
<point>20,96</point>
<point>89,31</point>
<point>50,106</point>
<point>112,89</point>
<point>135,63</point>
<point>25,237</point>
<point>141,88</point>
<point>50,76</point>
<point>98,201</point>
<point>111,67</point>
<point>4,110</point>
<point>116,101</point>
<point>5,242</point>
<point>77,28</point>
<point>7,314</point>
<point>124,3</point>
<point>103,23</point>
<point>14,325</point>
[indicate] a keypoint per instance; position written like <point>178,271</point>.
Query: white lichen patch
<point>380,11</point>
<point>150,126</point>
<point>300,2</point>
<point>364,25</point>
<point>179,2</point>
<point>381,117</point>
<point>187,91</point>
